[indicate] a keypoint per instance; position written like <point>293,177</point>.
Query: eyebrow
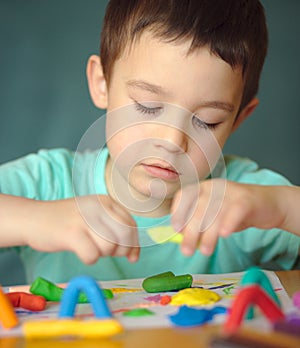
<point>156,89</point>
<point>218,105</point>
<point>146,86</point>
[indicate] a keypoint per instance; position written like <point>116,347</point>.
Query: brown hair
<point>234,30</point>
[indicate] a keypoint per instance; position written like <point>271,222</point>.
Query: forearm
<point>51,226</point>
<point>16,219</point>
<point>289,202</point>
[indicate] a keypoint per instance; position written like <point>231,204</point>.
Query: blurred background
<point>44,100</point>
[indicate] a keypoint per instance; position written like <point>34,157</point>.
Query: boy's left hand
<point>217,208</point>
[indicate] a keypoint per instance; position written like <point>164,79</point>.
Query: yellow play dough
<point>120,290</point>
<point>71,327</point>
<point>195,297</point>
<point>164,234</point>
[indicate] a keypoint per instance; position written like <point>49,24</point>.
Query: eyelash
<point>154,111</point>
<point>147,111</point>
<point>200,124</point>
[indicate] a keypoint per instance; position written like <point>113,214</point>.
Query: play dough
<point>195,297</point>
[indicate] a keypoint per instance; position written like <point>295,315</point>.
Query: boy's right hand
<point>90,226</point>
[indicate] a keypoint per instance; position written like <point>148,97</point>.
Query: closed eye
<point>198,123</point>
<point>146,110</point>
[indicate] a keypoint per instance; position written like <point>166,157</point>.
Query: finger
<point>233,220</point>
<point>212,228</point>
<point>209,239</point>
<point>116,248</point>
<point>192,234</point>
<point>85,248</point>
<point>116,211</point>
<point>183,207</point>
<point>230,219</point>
<point>106,248</point>
<point>134,254</point>
<point>128,246</point>
<point>111,230</point>
<point>120,226</point>
<point>117,239</point>
<point>125,236</point>
<point>192,231</point>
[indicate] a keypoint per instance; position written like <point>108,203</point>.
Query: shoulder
<point>54,158</point>
<point>88,172</point>
<point>54,174</point>
<point>42,157</point>
<point>245,170</point>
<point>38,175</point>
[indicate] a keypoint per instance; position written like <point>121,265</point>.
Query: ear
<point>96,82</point>
<point>245,113</point>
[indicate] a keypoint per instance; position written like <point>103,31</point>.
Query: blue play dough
<point>93,292</point>
<point>188,316</point>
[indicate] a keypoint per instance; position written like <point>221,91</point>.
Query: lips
<point>161,171</point>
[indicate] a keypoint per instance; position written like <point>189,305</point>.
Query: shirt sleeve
<point>244,170</point>
<point>46,175</point>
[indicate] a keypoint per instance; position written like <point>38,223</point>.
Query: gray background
<point>44,101</point>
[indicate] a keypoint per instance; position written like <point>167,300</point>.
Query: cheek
<point>114,146</point>
<point>223,135</point>
<point>125,146</point>
<point>124,127</point>
<point>205,154</point>
<point>201,165</point>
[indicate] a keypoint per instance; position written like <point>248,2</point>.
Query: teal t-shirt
<point>59,173</point>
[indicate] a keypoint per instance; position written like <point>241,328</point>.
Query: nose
<point>171,139</point>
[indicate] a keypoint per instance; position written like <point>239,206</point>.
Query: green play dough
<point>138,312</point>
<point>167,281</point>
<point>52,292</point>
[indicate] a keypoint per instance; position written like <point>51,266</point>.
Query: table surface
<point>290,280</point>
<point>199,337</point>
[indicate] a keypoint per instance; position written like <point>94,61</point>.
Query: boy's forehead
<point>149,46</point>
<point>169,70</point>
<point>149,52</point>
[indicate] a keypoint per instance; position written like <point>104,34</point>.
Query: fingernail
<point>205,250</point>
<point>188,251</point>
<point>133,257</point>
<point>224,232</point>
<point>177,227</point>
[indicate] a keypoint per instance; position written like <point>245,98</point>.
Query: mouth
<point>161,171</point>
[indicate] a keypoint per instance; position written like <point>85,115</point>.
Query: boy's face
<point>169,113</point>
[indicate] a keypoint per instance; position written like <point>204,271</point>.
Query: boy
<point>177,78</point>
